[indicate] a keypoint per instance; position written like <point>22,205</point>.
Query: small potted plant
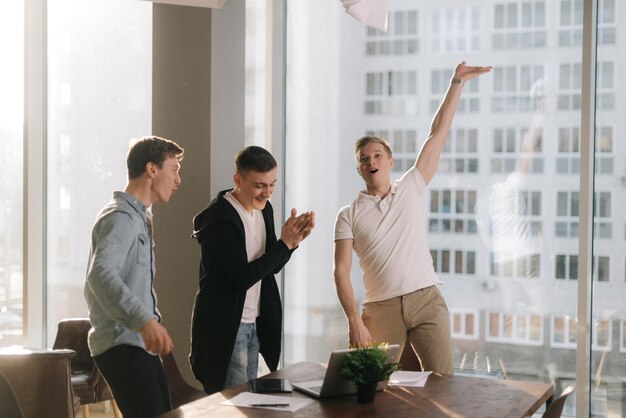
<point>366,367</point>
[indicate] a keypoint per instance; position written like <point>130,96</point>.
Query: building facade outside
<point>503,207</point>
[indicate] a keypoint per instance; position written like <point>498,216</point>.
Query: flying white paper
<point>214,4</point>
<point>373,13</point>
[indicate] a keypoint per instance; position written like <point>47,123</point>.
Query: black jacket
<point>225,277</point>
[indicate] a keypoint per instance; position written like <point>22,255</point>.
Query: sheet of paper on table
<point>409,379</point>
<point>287,403</point>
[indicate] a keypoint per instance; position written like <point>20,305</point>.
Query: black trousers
<point>137,381</point>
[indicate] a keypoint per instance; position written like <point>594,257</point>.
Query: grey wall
<point>198,101</point>
<point>181,111</point>
<point>227,91</point>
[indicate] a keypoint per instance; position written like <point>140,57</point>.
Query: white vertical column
<point>34,171</point>
<point>585,243</point>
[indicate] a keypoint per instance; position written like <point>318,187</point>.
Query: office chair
<point>8,400</point>
<point>181,392</point>
<point>87,381</point>
<point>555,408</point>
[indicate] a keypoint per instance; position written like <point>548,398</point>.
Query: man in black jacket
<point>237,311</point>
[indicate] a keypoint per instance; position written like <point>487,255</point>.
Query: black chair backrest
<point>555,409</point>
<point>72,335</point>
<point>180,391</point>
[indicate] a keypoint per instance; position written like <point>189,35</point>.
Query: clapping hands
<point>297,227</point>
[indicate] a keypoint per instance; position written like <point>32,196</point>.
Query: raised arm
<point>359,335</point>
<point>428,157</point>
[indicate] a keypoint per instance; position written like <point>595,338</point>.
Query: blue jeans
<point>244,362</point>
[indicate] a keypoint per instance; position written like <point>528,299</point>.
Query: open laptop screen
<point>334,384</point>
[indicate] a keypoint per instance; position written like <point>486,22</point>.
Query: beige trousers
<point>422,319</point>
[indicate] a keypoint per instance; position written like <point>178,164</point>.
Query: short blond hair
<point>361,142</point>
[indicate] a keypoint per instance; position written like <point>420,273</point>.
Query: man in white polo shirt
<point>385,227</point>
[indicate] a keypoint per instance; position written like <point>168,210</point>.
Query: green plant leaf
<point>368,364</point>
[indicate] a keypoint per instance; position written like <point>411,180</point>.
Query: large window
<point>503,211</point>
<point>11,167</point>
<point>609,197</point>
<point>99,97</point>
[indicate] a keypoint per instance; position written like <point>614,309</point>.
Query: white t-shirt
<point>390,239</point>
<point>254,228</point>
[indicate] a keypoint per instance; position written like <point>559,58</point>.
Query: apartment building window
<point>464,324</point>
<point>505,150</point>
<point>519,25</point>
<point>563,333</point>
<point>465,262</point>
<point>604,150</point>
<point>374,84</point>
<point>455,29</point>
<point>566,266</point>
<point>452,211</point>
<point>526,266</point>
<point>622,336</point>
<point>568,160</point>
<point>524,209</point>
<point>459,262</point>
<point>568,97</point>
<point>401,37</point>
<point>512,147</point>
<point>606,22</point>
<point>603,225</point>
<point>601,335</point>
<point>460,152</point>
<point>507,328</point>
<point>470,99</point>
<point>567,214</point>
<point>515,227</point>
<point>513,86</point>
<point>605,95</point>
<point>441,260</point>
<point>571,23</point>
<point>390,92</point>
<point>602,268</point>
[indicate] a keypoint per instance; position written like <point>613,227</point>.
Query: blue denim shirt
<point>119,284</point>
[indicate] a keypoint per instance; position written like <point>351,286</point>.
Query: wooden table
<point>443,396</point>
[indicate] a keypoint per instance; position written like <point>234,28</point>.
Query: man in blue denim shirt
<point>126,335</point>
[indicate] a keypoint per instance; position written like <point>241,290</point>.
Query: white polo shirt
<point>254,228</point>
<point>390,238</point>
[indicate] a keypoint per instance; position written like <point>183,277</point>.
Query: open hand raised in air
<point>465,72</point>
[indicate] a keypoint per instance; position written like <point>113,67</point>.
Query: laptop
<point>334,384</point>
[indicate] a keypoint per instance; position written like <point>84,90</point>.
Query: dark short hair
<point>254,158</point>
<point>150,149</point>
<point>361,142</point>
